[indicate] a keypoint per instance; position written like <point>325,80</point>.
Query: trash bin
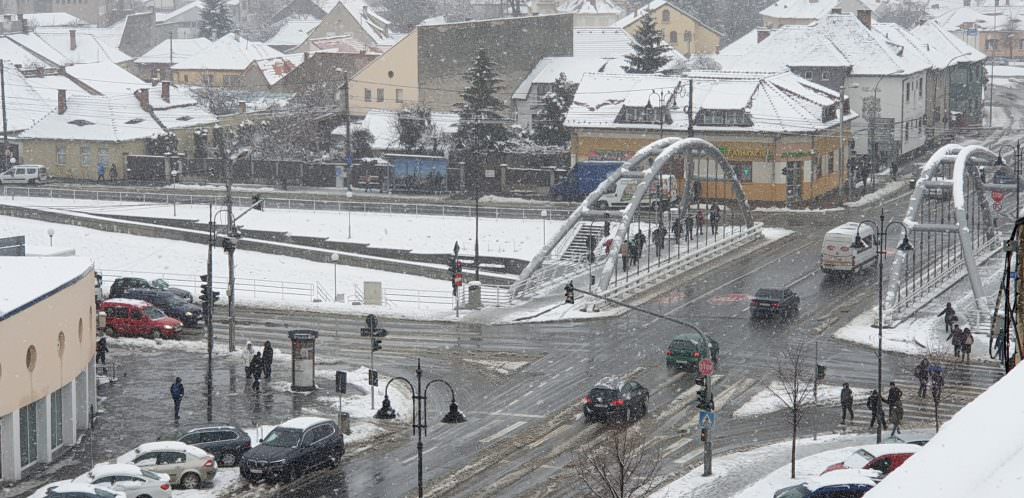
<point>303,359</point>
<point>474,301</point>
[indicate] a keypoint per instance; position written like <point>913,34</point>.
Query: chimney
<point>305,56</point>
<point>241,107</point>
<point>24,23</point>
<point>165,91</point>
<point>71,39</point>
<point>62,101</point>
<point>142,95</point>
<point>762,34</point>
<point>865,17</point>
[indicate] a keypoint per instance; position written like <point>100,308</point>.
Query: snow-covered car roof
<point>110,469</point>
<point>72,487</point>
<point>890,448</point>
<point>121,300</point>
<point>844,476</point>
<point>610,382</point>
<point>162,446</point>
<point>303,423</point>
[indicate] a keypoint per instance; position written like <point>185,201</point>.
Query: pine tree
<point>215,19</point>
<point>547,126</point>
<point>649,51</point>
<point>481,124</point>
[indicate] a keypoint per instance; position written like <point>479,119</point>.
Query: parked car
<point>120,285</point>
<point>612,400</point>
<point>26,173</point>
<point>687,349</point>
<point>132,317</point>
<point>625,189</point>
<point>838,254</point>
<point>225,442</point>
<point>881,457</point>
<point>185,465</point>
<point>131,480</point>
<point>67,489</point>
<point>842,484</point>
<point>771,302</point>
<point>293,448</point>
<point>168,302</point>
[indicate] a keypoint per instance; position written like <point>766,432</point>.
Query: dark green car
<point>686,351</point>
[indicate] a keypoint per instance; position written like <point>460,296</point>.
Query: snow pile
<point>226,479</point>
<point>773,209</point>
<point>875,197</point>
<point>502,367</point>
<point>766,400</point>
<point>979,452</point>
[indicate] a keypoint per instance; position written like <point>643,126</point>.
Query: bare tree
<point>793,385</point>
<point>619,465</point>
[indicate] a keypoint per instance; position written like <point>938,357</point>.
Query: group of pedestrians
<point>632,250</point>
<point>257,364</point>
<point>101,172</point>
<point>929,373</point>
<point>962,338</point>
<point>925,373</point>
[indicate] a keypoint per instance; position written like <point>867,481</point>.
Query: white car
<point>186,465</point>
<point>128,479</point>
<point>25,173</point>
<point>66,489</point>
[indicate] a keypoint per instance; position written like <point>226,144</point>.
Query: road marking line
<point>505,414</point>
<point>550,435</point>
<point>670,380</point>
<point>676,445</point>
<point>687,457</point>
<point>502,432</point>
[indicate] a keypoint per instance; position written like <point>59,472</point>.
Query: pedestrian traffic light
<point>452,269</point>
<point>373,378</point>
<point>229,243</point>
<point>704,400</point>
<point>570,293</point>
<point>376,344</point>
<point>703,435</point>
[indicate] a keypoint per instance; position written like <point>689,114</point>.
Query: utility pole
<point>3,110</point>
<point>348,124</point>
<point>991,87</point>
<point>689,112</point>
<point>209,320</point>
<point>229,165</point>
<point>842,136</point>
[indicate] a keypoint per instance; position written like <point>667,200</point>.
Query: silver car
<point>187,466</point>
<point>128,479</point>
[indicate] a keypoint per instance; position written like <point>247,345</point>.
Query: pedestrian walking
<point>895,398</point>
<point>626,253</point>
<point>948,316</point>
<point>696,191</point>
<point>268,359</point>
<point>700,221</point>
<point>591,247</point>
<point>640,240</point>
<point>634,255</point>
<point>846,400</point>
<point>921,373</point>
<point>607,225</point>
<point>247,354</point>
<point>938,381</point>
<point>677,230</point>
<point>875,405</point>
<point>113,172</point>
<point>101,170</point>
<point>689,227</point>
<point>101,351</point>
<point>958,338</point>
<point>255,368</point>
<point>177,393</point>
<point>966,341</point>
<point>715,218</point>
<point>896,418</point>
<point>659,239</point>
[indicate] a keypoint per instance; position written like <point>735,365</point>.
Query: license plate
<point>600,406</point>
<point>255,471</point>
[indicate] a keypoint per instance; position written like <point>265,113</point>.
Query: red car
<point>884,458</point>
<point>133,318</point>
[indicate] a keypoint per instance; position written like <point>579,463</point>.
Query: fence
<point>381,206</point>
<point>244,287</point>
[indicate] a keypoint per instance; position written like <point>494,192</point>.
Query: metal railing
<point>384,206</point>
<point>244,287</point>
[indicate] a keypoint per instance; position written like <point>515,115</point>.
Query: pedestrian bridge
<point>656,235</point>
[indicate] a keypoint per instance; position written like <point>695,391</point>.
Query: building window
<point>744,170</point>
<point>543,89</point>
<point>230,80</point>
<point>832,163</point>
<point>368,95</point>
<point>29,434</point>
<point>991,44</point>
<point>826,75</point>
<point>184,78</point>
<point>85,153</point>
<point>208,79</point>
<point>673,37</point>
<point>920,87</point>
<point>56,419</point>
<point>665,15</point>
<point>398,95</point>
<point>722,117</point>
<point>906,97</point>
<point>103,156</point>
<point>380,95</point>
<point>62,155</point>
<point>816,166</point>
<point>808,75</point>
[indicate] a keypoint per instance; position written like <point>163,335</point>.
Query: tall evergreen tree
<point>215,19</point>
<point>649,50</point>
<point>480,121</point>
<point>547,126</point>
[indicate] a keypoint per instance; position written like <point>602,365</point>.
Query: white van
<point>25,173</point>
<point>838,256</point>
<point>625,189</point>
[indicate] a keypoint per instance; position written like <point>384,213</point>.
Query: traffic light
<point>570,293</point>
<point>206,293</point>
<point>373,378</point>
<point>705,401</point>
<point>229,243</point>
<point>376,344</point>
<point>703,435</point>
<point>452,268</point>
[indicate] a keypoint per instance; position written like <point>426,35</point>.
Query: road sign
<point>458,279</point>
<point>706,367</point>
<point>376,332</point>
<point>706,419</point>
<point>371,321</point>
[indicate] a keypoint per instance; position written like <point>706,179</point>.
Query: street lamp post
<point>1016,172</point>
<point>881,229</point>
<point>663,98</point>
<point>334,258</point>
<point>348,195</point>
<point>544,222</point>
<point>50,232</point>
<point>419,413</point>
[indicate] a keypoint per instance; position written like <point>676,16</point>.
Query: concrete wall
<point>446,51</point>
<point>77,165</point>
<point>396,69</point>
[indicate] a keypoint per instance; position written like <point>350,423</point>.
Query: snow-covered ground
<point>1006,76</point>
<point>766,400</point>
<point>882,193</point>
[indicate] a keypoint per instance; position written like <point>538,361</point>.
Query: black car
<point>225,442</point>
<point>614,401</point>
<point>771,302</point>
<point>172,305</point>
<point>120,285</point>
<point>293,448</point>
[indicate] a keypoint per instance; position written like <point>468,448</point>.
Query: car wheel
<point>143,496</point>
<point>643,410</point>
<point>155,334</point>
<point>190,481</point>
<point>228,459</point>
<point>110,331</point>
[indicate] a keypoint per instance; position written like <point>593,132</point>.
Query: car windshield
<point>684,345</point>
<point>769,294</point>
<point>150,475</point>
<point>858,459</point>
<point>154,314</point>
<point>160,283</point>
<point>603,393</point>
<point>283,438</point>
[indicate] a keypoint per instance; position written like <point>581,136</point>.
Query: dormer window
<point>133,121</point>
<point>722,117</point>
<point>81,122</point>
<point>648,115</point>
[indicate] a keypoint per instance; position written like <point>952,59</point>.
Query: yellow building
<point>389,82</point>
<point>47,383</point>
<point>683,31</point>
<point>221,64</point>
<point>778,131</point>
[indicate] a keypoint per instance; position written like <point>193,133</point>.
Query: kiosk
<point>303,359</point>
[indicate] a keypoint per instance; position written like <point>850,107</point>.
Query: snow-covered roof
<point>47,86</point>
<point>53,19</point>
<point>589,7</point>
<point>174,50</point>
<point>275,68</point>
<point>868,49</point>
<point>171,16</point>
<point>601,42</point>
<point>36,276</point>
<point>25,105</point>
<point>293,32</point>
<point>303,423</point>
<point>107,118</point>
<point>91,44</point>
<point>373,24</point>
<point>784,48</point>
<point>229,53</point>
<point>381,124</point>
<point>636,14</point>
<point>811,9</point>
<point>181,110</point>
<point>28,50</point>
<point>978,452</point>
<point>341,44</point>
<point>548,69</point>
<point>781,102</point>
<point>981,18</point>
<point>943,48</point>
<point>105,77</point>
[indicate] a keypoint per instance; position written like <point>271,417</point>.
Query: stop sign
<point>706,367</point>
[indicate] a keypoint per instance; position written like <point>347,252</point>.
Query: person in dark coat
<point>591,246</point>
<point>937,382</point>
<point>256,366</point>
<point>634,255</point>
<point>896,418</point>
<point>700,221</point>
<point>966,341</point>
<point>607,225</point>
<point>659,239</point>
<point>113,172</point>
<point>895,398</point>
<point>640,240</point>
<point>268,359</point>
<point>875,405</point>
<point>846,400</point>
<point>948,316</point>
<point>177,393</point>
<point>715,217</point>
<point>958,337</point>
<point>689,227</point>
<point>921,373</point>
<point>101,351</point>
<point>677,230</point>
